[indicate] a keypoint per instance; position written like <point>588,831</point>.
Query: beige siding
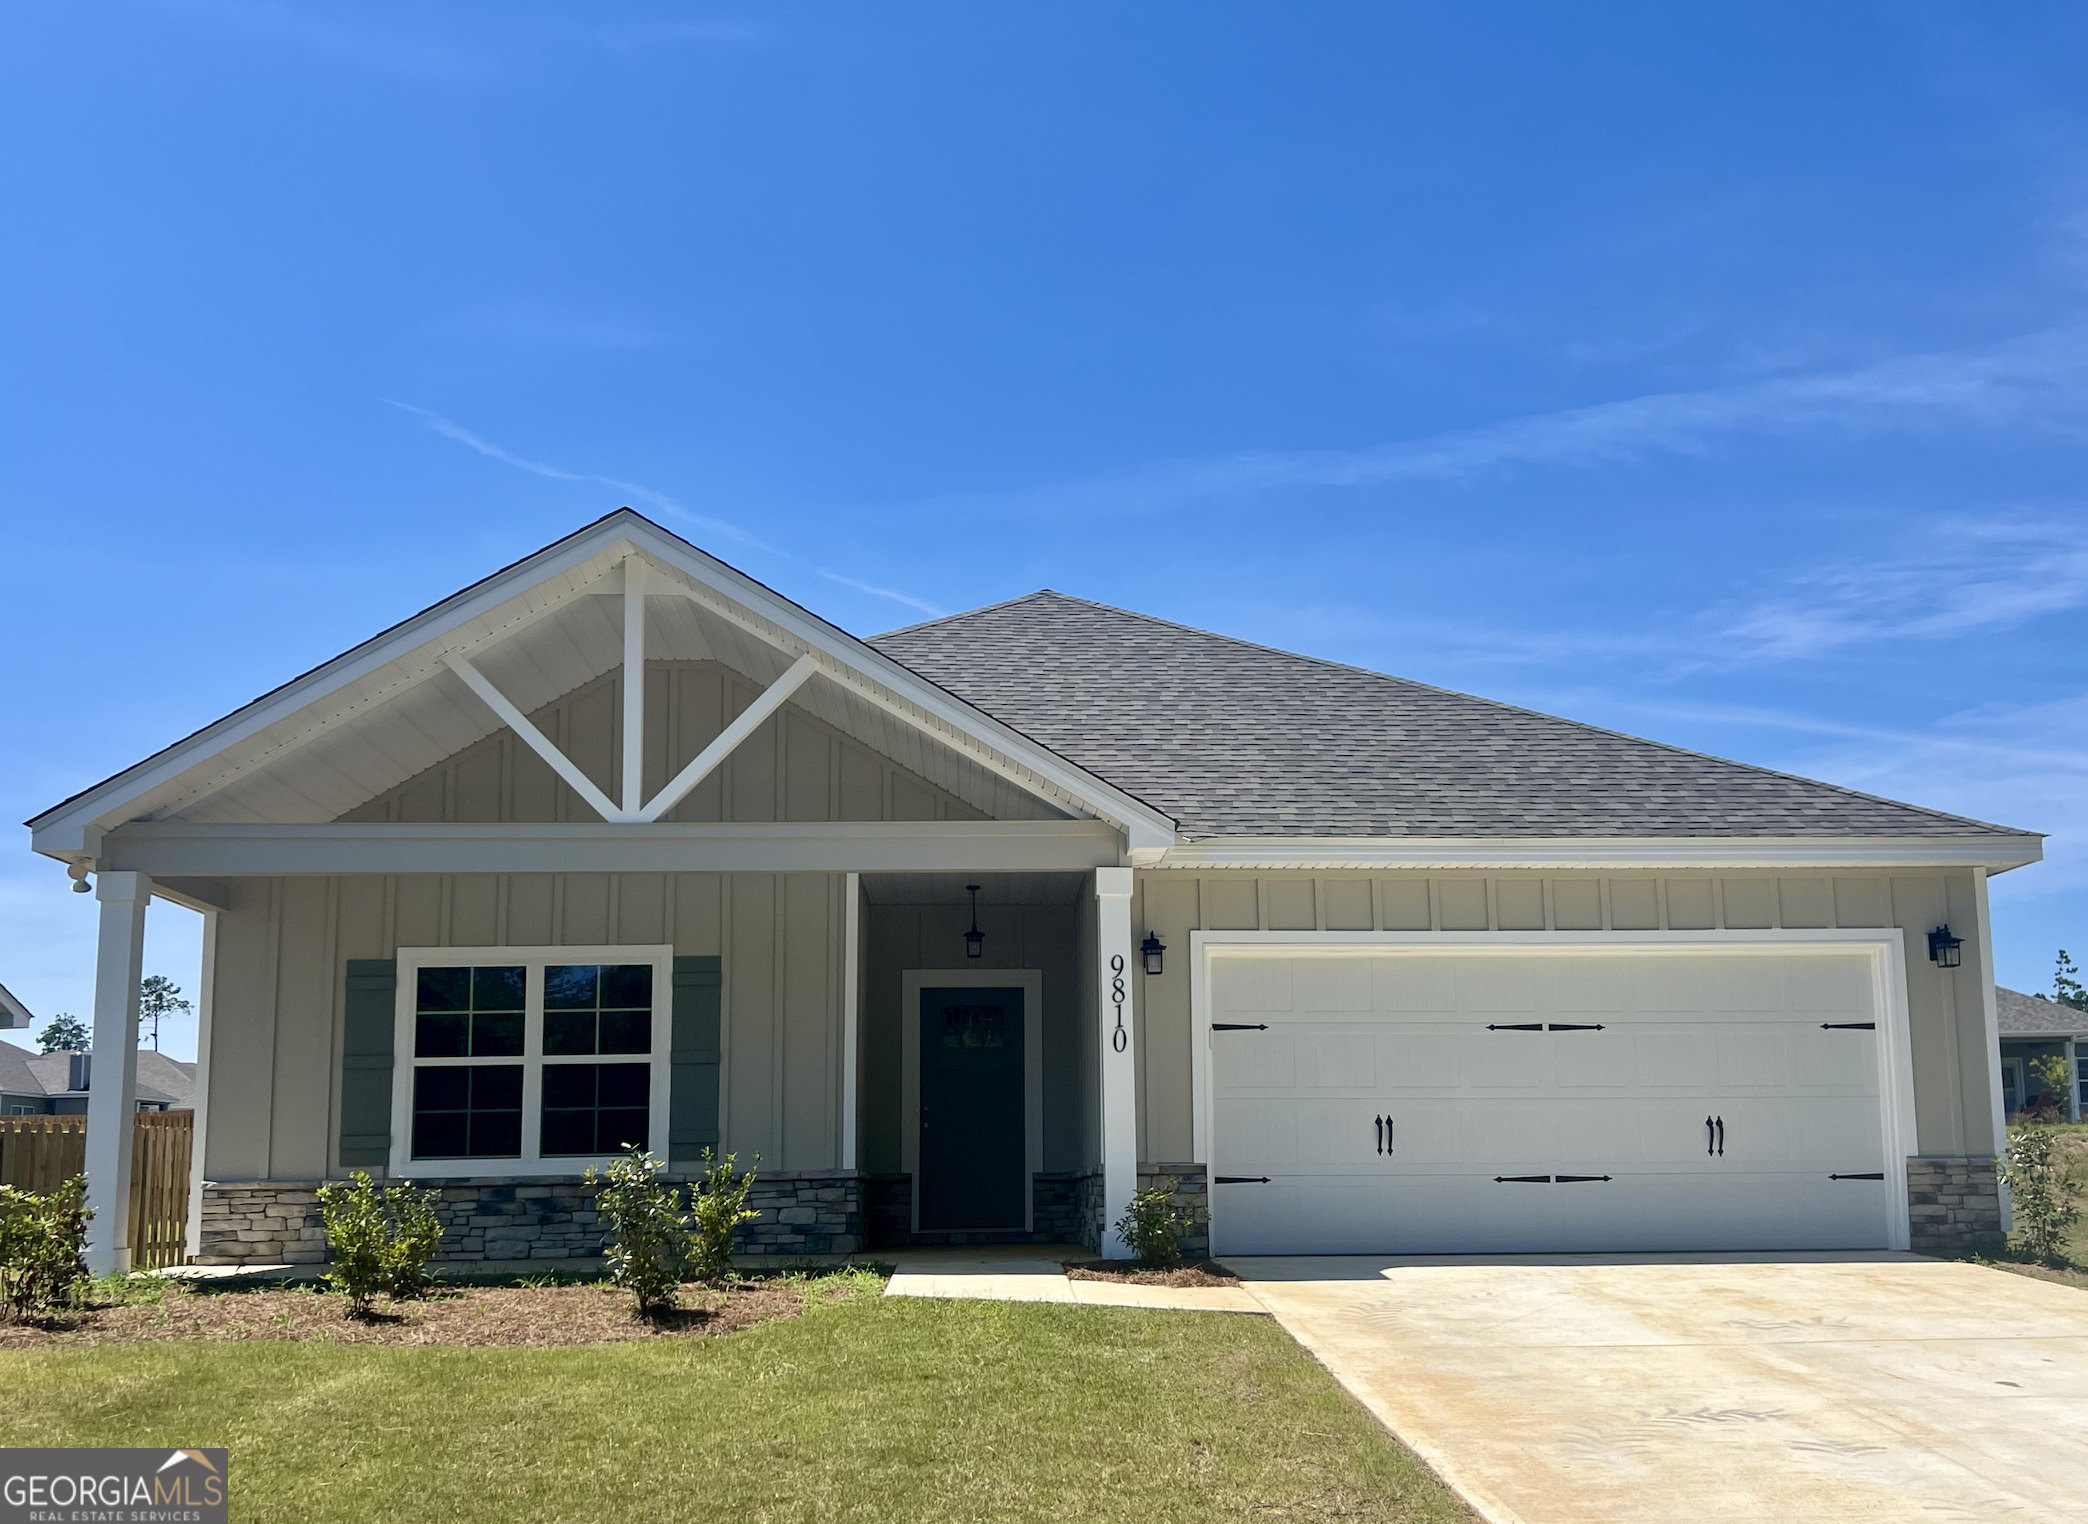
<point>1952,1072</point>
<point>283,946</point>
<point>794,767</point>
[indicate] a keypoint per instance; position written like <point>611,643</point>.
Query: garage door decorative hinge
<point>1873,1175</point>
<point>1544,1026</point>
<point>1848,1026</point>
<point>1239,1180</point>
<point>1239,1026</point>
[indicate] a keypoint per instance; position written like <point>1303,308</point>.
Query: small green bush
<point>1156,1224</point>
<point>2037,1193</point>
<point>381,1239</point>
<point>416,1233</point>
<point>718,1202</point>
<point>648,1231</point>
<point>43,1242</point>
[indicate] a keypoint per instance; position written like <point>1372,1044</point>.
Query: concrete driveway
<point>1714,1389</point>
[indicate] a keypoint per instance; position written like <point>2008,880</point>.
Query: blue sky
<point>1717,373</point>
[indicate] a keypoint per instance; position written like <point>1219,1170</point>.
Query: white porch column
<point>112,1085</point>
<point>1119,1054</point>
<point>2073,1079</point>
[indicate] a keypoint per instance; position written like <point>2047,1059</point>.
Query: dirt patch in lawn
<point>1207,1272</point>
<point>534,1316</point>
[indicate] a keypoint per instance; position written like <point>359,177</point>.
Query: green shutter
<point>366,1063</point>
<point>692,1123</point>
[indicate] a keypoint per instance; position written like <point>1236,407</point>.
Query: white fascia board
<point>70,830</point>
<point>188,849</point>
<point>866,670</point>
<point>1281,853</point>
<point>13,1014</point>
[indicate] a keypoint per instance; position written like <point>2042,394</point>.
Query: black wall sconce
<point>975,939</point>
<point>1151,950</point>
<point>1944,948</point>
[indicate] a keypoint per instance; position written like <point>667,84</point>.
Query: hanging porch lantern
<point>975,939</point>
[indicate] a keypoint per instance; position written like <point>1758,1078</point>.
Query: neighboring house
<point>58,1084</point>
<point>13,1014</point>
<point>964,930</point>
<point>2034,1027</point>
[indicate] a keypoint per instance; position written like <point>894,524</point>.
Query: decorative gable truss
<point>281,780</point>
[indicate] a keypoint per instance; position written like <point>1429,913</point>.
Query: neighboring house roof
<point>161,1080</point>
<point>1235,739</point>
<point>12,1012</point>
<point>2023,1015</point>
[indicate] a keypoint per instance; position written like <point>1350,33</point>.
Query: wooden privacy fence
<point>38,1153</point>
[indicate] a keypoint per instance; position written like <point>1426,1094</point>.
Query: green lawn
<point>872,1409</point>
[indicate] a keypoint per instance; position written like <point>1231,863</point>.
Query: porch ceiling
<point>994,888</point>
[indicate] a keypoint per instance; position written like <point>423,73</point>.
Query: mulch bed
<point>511,1315</point>
<point>1207,1272</point>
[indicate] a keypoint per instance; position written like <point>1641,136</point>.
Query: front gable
<point>543,644</point>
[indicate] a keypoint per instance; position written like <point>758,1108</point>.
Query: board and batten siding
<point>793,767</point>
<point>1952,1068</point>
<point>1043,937</point>
<point>279,992</point>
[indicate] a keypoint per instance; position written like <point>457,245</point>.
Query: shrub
<point>43,1240</point>
<point>416,1233</point>
<point>381,1239</point>
<point>2037,1193</point>
<point>1155,1224</point>
<point>718,1202</point>
<point>648,1231</point>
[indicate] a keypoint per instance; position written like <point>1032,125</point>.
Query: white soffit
<point>389,709</point>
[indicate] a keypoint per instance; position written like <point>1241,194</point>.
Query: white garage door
<point>1428,1102</point>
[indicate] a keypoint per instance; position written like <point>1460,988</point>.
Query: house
<point>965,930</point>
<point>13,1014</point>
<point>2033,1027</point>
<point>58,1084</point>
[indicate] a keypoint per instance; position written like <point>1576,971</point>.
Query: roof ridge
<point>984,608</point>
<point>1496,704</point>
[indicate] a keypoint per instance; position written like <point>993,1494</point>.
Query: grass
<point>863,1409</point>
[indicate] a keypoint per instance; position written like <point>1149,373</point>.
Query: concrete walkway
<point>1737,1389</point>
<point>1036,1273</point>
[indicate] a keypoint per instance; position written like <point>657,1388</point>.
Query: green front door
<point>972,1127</point>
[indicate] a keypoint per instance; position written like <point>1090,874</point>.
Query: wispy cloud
<point>660,502</point>
<point>1992,576</point>
<point>2039,379</point>
<point>371,46</point>
<point>885,592</point>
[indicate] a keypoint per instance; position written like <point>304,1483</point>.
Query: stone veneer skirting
<point>1953,1204</point>
<point>276,1222</point>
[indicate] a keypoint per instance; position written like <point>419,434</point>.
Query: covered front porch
<point>902,1059</point>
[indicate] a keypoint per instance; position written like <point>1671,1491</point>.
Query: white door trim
<point>1886,948</point>
<point>1031,982</point>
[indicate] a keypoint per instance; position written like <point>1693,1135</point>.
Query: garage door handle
<point>1874,1175</point>
<point>1848,1026</point>
<point>1239,1026</point>
<point>1714,1137</point>
<point>1239,1179</point>
<point>1545,1026</point>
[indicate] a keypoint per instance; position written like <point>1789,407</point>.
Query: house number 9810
<point>1119,1039</point>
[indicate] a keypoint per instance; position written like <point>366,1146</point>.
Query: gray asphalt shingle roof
<point>1234,739</point>
<point>2023,1015</point>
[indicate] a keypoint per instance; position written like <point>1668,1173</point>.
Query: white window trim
<point>411,960</point>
